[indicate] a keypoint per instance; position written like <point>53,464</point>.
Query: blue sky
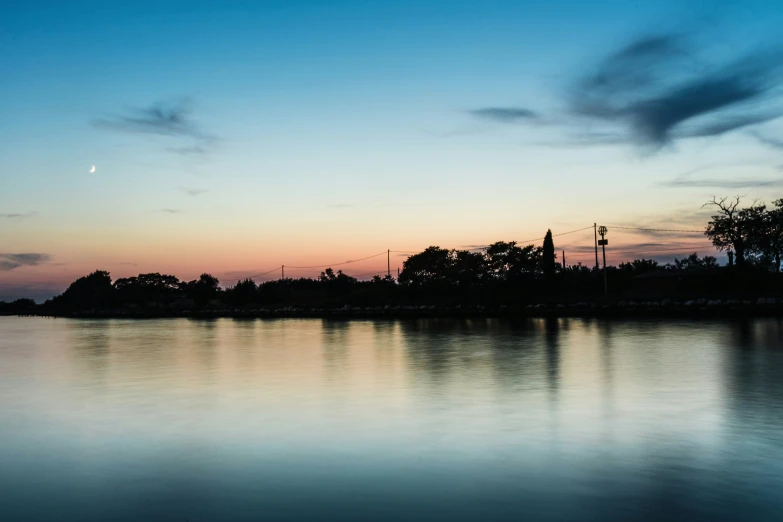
<point>233,137</point>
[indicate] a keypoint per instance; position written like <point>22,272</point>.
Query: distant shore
<point>692,308</point>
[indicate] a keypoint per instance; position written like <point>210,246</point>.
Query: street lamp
<point>602,230</point>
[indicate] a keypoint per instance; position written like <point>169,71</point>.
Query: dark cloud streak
<point>723,183</point>
<point>505,114</point>
<point>193,191</point>
<point>11,261</point>
<point>172,120</point>
<point>17,215</point>
<point>655,90</point>
<point>652,90</point>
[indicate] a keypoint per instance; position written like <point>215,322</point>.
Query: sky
<point>236,137</point>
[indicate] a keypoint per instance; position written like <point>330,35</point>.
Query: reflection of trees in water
<point>204,343</point>
<point>429,346</point>
<point>753,369</point>
<point>91,344</point>
<point>606,351</point>
<point>385,342</point>
<point>513,349</point>
<point>552,346</point>
<point>439,350</point>
<point>335,334</point>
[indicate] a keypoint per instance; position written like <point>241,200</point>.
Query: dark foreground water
<point>551,420</point>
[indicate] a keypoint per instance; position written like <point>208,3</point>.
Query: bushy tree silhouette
<point>91,291</point>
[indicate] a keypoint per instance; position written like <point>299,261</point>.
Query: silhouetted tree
<point>19,306</point>
<point>427,267</point>
<point>548,256</point>
<point>327,275</point>
<point>509,262</point>
<point>243,293</point>
<point>694,262</point>
<point>148,289</point>
<point>769,239</point>
<point>735,228</point>
<point>91,291</point>
<point>203,289</point>
<point>468,268</point>
<point>639,266</point>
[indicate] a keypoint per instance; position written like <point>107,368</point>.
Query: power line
<point>329,265</point>
<point>655,229</point>
<point>263,273</point>
<point>677,249</point>
<point>375,272</point>
<point>541,238</point>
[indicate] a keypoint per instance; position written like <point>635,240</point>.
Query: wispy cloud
<point>173,120</point>
<point>770,142</point>
<point>686,180</point>
<point>17,215</point>
<point>171,210</point>
<point>505,114</point>
<point>654,91</point>
<point>11,261</point>
<point>723,183</point>
<point>195,150</point>
<point>190,191</point>
<point>651,89</point>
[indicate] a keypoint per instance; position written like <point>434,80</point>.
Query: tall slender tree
<point>548,256</point>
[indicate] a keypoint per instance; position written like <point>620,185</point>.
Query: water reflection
<point>556,419</point>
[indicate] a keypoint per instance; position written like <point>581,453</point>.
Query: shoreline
<point>763,307</point>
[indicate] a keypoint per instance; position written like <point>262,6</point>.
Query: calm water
<point>177,420</point>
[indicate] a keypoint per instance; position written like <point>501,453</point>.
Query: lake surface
<point>551,420</point>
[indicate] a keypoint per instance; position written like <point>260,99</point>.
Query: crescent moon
<point>92,169</point>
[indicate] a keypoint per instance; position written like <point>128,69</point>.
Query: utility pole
<point>564,265</point>
<point>595,235</point>
<point>603,242</point>
<point>282,271</point>
<point>388,264</point>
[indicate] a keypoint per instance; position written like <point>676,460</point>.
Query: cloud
<point>17,215</point>
<point>171,210</point>
<point>652,90</point>
<point>38,291</point>
<point>728,124</point>
<point>195,150</point>
<point>685,180</point>
<point>163,119</point>
<point>723,183</point>
<point>11,261</point>
<point>159,118</point>
<point>656,90</point>
<point>505,114</point>
<point>193,191</point>
<point>772,142</point>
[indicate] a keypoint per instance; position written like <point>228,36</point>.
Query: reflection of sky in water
<point>303,419</point>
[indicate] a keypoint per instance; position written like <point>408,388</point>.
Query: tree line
<point>501,273</point>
